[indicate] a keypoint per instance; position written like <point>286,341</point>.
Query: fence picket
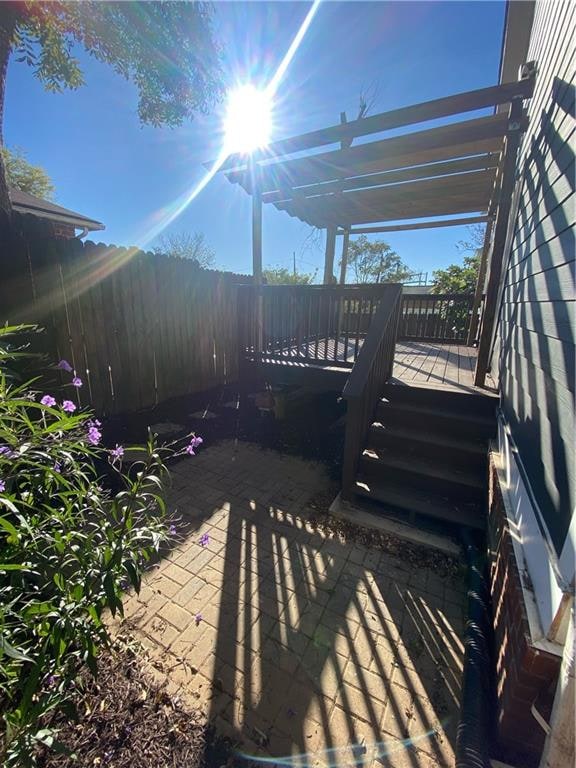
<point>137,327</point>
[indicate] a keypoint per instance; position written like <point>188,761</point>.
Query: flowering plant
<point>68,548</point>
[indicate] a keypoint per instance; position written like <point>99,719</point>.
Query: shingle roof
<point>23,202</point>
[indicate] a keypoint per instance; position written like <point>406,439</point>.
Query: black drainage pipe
<point>474,736</point>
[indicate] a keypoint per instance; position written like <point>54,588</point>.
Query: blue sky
<point>107,166</point>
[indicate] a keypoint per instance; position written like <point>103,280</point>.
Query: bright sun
<point>248,119</point>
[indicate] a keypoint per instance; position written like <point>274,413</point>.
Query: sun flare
<point>248,122</point>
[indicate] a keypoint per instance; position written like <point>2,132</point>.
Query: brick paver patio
<point>294,642</point>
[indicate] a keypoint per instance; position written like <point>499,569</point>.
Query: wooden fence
<point>138,328</point>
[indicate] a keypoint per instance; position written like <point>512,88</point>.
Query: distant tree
<point>375,262</point>
<point>186,245</point>
<point>166,48</point>
<point>283,276</point>
<point>22,175</point>
<point>458,278</point>
<point>475,239</point>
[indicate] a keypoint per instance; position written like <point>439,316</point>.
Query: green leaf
<point>7,525</point>
<point>12,652</point>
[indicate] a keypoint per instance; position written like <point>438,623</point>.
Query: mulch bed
<point>126,719</point>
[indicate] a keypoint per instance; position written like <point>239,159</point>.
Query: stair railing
<point>365,385</point>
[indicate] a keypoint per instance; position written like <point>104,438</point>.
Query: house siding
<point>536,323</point>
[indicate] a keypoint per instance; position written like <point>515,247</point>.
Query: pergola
<point>422,177</point>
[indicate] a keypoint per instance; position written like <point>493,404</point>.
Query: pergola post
<point>474,317</point>
<point>329,256</point>
<point>507,182</point>
<point>257,253</point>
<point>344,259</point>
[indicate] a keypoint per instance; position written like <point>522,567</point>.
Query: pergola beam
<point>458,140</point>
<point>396,118</point>
<point>416,225</point>
<point>467,193</point>
<point>418,173</point>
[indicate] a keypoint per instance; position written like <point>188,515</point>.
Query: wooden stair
<point>426,454</point>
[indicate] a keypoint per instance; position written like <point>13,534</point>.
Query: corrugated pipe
<point>475,729</point>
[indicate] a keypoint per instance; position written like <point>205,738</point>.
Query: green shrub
<point>69,547</point>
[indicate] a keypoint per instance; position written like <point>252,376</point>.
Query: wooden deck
<point>424,364</point>
<point>435,366</point>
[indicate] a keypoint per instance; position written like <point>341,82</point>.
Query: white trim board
<point>541,591</point>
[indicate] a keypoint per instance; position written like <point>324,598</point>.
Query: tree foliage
<point>22,175</point>
<point>165,48</point>
<point>375,262</point>
<point>186,245</point>
<point>283,276</point>
<point>458,278</point>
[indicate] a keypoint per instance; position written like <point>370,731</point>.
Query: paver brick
<point>175,615</point>
<point>311,641</point>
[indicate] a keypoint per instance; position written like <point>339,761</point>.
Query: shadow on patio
<point>295,642</point>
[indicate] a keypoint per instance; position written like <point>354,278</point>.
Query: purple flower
<point>76,381</point>
<point>204,540</point>
<point>117,452</point>
<point>198,618</point>
<point>48,401</point>
<point>5,450</point>
<point>94,435</point>
<point>64,365</point>
<point>68,406</point>
<point>57,466</point>
<point>194,443</point>
<point>2,486</point>
<point>172,530</point>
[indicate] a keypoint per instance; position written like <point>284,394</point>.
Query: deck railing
<point>365,385</point>
<point>441,317</point>
<point>317,324</point>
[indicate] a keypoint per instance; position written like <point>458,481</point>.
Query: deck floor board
<point>422,363</point>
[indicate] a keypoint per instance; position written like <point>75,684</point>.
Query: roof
<point>424,173</point>
<point>23,202</point>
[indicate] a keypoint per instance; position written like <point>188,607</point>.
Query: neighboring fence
<point>138,328</point>
<point>366,383</point>
<point>321,324</point>
<point>435,317</point>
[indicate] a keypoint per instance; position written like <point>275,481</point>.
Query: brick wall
<point>63,230</point>
<point>522,671</point>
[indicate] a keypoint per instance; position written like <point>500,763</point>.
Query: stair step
<point>432,419</point>
<point>379,432</point>
<point>420,502</point>
<point>446,413</point>
<point>423,467</point>
<point>475,402</point>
